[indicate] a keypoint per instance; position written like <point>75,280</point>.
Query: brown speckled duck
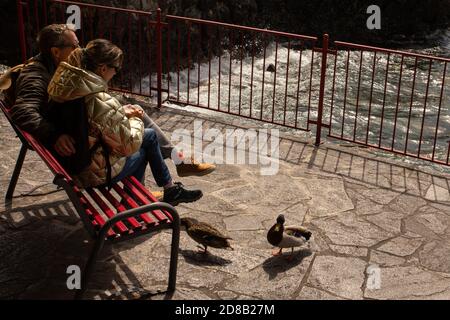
<point>287,237</point>
<point>205,234</point>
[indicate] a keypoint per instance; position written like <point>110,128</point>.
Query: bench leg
<point>174,257</point>
<point>16,173</point>
<point>86,275</point>
<point>124,215</point>
<point>98,247</point>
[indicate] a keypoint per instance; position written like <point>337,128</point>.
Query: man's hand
<point>65,145</point>
<point>133,110</point>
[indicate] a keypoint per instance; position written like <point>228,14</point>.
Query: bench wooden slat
<point>133,190</point>
<point>131,202</point>
<point>149,195</point>
<point>119,206</point>
<point>94,215</point>
<point>107,210</point>
<point>144,200</point>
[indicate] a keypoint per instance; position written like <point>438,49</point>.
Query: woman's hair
<point>96,53</point>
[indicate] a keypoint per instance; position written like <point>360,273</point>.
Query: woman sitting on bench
<point>130,147</point>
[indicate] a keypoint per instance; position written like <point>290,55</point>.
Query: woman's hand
<point>133,110</point>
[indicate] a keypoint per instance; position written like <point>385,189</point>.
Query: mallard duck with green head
<point>287,237</point>
<point>205,234</point>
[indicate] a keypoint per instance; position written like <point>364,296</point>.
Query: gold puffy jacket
<point>105,115</point>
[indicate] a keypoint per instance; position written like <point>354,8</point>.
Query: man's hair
<point>52,36</point>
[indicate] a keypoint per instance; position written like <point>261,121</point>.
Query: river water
<point>384,103</point>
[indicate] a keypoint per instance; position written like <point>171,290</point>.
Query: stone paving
<point>380,228</point>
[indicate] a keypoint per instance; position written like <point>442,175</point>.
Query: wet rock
<point>271,68</point>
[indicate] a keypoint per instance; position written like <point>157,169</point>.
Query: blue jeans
<point>148,153</point>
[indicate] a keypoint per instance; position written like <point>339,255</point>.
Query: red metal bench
<point>130,212</point>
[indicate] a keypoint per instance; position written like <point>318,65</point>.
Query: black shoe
<point>177,194</point>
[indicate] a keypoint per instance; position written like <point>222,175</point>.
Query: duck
<point>205,234</point>
<point>287,237</point>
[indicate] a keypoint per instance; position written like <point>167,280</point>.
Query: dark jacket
<point>30,110</point>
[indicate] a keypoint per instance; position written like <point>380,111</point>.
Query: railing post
<point>159,56</point>
<point>21,29</point>
<point>322,87</point>
<point>44,8</point>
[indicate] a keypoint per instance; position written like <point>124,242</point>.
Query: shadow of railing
<point>383,173</point>
<point>373,167</point>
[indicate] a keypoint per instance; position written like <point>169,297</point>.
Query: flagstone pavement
<point>380,228</point>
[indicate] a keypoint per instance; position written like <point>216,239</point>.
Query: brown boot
<point>194,168</point>
<point>159,195</point>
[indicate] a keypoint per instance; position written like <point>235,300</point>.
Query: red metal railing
<point>386,99</point>
<point>399,102</point>
<point>212,56</point>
